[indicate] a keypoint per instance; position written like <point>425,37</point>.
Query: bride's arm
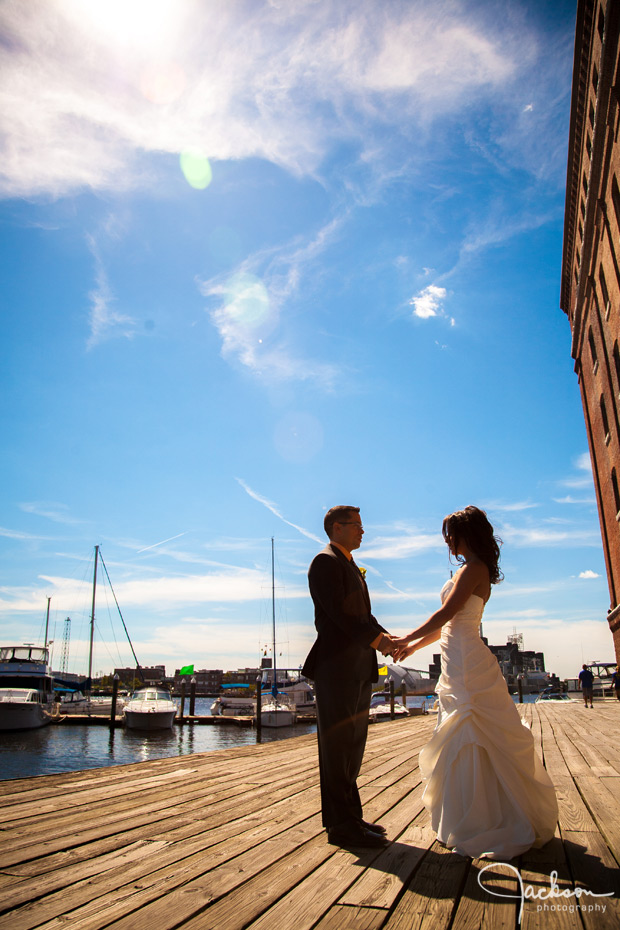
<point>468,578</point>
<point>407,648</point>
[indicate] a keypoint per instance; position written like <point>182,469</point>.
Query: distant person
<point>485,786</point>
<point>587,684</point>
<point>343,666</point>
<point>615,680</point>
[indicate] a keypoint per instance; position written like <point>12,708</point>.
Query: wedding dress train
<point>486,788</point>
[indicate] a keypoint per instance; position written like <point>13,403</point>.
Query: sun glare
<point>139,24</point>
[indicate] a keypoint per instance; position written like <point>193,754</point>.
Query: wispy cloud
<point>250,304</point>
<point>402,546</point>
<point>569,499</point>
<point>102,84</point>
<point>508,506</point>
<point>58,513</point>
<point>274,510</point>
<point>17,534</point>
<point>228,585</point>
<point>105,321</point>
<point>545,536</point>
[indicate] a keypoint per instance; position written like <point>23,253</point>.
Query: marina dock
<point>232,839</point>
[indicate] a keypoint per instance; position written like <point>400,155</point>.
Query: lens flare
<point>162,83</point>
<point>298,437</point>
<point>196,169</point>
<point>247,300</point>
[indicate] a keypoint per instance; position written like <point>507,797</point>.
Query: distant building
<point>242,676</point>
<point>208,680</point>
<point>147,675</point>
<point>590,294</point>
<point>516,664</point>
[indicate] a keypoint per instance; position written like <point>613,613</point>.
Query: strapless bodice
<point>466,622</point>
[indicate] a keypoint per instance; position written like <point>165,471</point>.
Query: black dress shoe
<point>375,827</point>
<point>356,835</point>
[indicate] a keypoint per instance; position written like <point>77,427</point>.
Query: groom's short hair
<point>338,514</point>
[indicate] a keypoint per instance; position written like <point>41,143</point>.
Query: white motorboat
<point>556,696</point>
<point>26,688</point>
<point>150,709</point>
<point>75,702</point>
<point>290,682</point>
<point>380,708</point>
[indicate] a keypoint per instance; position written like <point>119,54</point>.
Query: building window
<point>617,360</point>
<point>591,115</point>
<point>592,345</point>
<point>589,146</point>
<point>604,419</point>
<point>601,23</point>
<point>583,208</point>
<point>595,78</point>
<point>614,484</point>
<point>584,183</point>
<point>603,283</point>
<point>580,232</point>
<point>615,199</point>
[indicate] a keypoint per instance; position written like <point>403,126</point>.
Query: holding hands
<point>404,647</point>
<point>397,647</point>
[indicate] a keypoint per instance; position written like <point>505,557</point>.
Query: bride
<point>485,786</point>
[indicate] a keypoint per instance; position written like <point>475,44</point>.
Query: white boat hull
<point>277,718</point>
<point>149,720</point>
<point>20,716</point>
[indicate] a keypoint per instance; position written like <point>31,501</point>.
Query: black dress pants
<point>342,727</point>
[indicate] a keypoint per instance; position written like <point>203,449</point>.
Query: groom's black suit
<point>343,665</point>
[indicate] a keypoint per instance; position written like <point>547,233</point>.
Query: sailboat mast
<point>273,617</point>
<point>92,618</point>
<point>47,622</point>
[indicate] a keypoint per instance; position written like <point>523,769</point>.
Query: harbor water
<point>54,749</point>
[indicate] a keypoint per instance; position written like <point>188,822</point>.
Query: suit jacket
<point>343,619</point>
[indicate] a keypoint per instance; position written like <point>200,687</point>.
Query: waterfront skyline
<point>262,259</point>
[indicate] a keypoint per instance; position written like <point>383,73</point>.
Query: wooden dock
<point>232,839</point>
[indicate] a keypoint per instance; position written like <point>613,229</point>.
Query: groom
<point>343,665</point>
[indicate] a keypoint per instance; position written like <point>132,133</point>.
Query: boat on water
<point>558,697</point>
<point>26,688</point>
<point>277,710</point>
<point>150,708</point>
<point>290,682</point>
<point>380,707</point>
<point>76,702</point>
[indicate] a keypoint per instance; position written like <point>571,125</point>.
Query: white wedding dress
<point>486,788</point>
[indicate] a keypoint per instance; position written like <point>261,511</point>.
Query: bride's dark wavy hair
<point>472,527</point>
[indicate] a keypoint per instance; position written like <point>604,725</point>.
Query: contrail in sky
<point>272,507</point>
<point>154,546</point>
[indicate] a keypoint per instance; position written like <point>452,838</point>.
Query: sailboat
<point>73,700</point>
<point>277,709</point>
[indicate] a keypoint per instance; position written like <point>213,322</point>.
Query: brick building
<point>590,294</point>
<point>147,675</point>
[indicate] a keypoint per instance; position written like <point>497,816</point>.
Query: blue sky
<point>260,258</point>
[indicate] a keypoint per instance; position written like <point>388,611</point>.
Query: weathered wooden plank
<point>537,866</point>
<point>490,898</point>
<point>594,869</point>
<point>429,900</point>
<point>345,917</point>
<point>380,886</point>
<point>604,807</point>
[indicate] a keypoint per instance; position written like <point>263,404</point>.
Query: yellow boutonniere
<point>362,571</point>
